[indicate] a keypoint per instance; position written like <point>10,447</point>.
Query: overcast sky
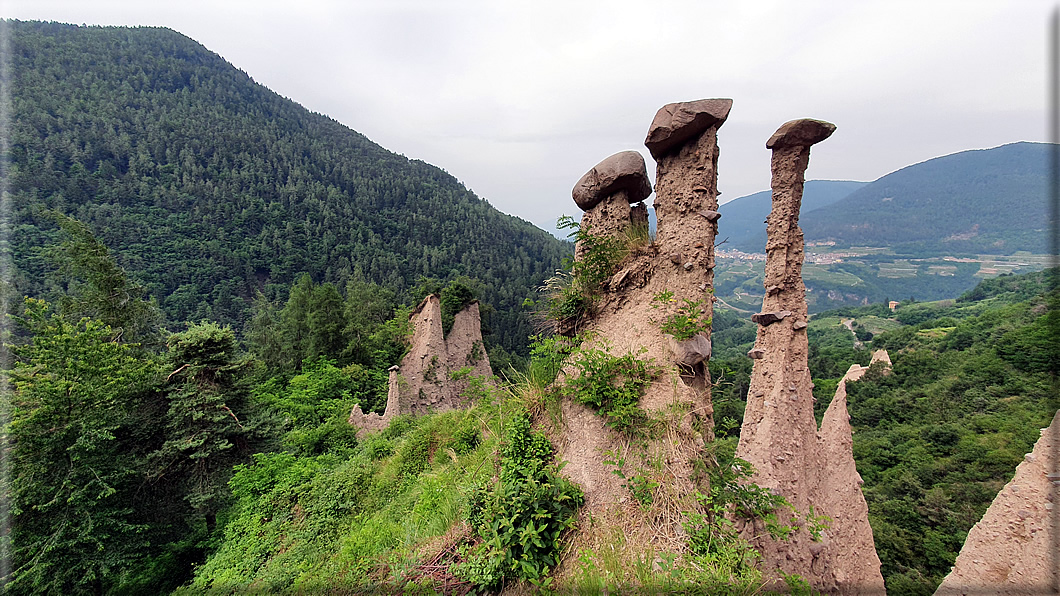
<point>519,99</point>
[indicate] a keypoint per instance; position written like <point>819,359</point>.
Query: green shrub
<point>520,520</point>
<point>466,436</point>
<point>547,355</point>
<point>414,453</point>
<point>686,321</point>
<point>335,436</point>
<point>570,295</point>
<point>613,385</point>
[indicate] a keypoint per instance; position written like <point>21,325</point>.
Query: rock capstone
<point>605,193</point>
<point>768,318</point>
<point>623,171</point>
<point>683,139</point>
<point>676,123</point>
<point>800,133</point>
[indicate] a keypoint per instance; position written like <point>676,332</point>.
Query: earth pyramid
<point>812,468</point>
<point>430,377</point>
<point>633,314</point>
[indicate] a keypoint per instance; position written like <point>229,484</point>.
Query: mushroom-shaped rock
<point>675,123</point>
<point>624,170</point>
<point>800,133</point>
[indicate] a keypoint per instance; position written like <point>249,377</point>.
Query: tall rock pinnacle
<point>779,436</point>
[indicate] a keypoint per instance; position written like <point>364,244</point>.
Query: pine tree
<point>208,431</point>
<point>73,475</point>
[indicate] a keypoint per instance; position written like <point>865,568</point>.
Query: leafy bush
<point>546,358</point>
<point>613,385</point>
<point>466,436</point>
<point>570,295</point>
<point>521,519</point>
<point>414,454</point>
<point>687,321</point>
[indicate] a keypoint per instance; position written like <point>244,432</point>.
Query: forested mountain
<point>742,226</point>
<point>209,187</point>
<point>984,201</point>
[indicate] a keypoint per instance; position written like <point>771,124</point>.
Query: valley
<point>838,277</point>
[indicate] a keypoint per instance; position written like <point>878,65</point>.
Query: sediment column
<point>779,431</point>
<point>683,139</point>
<point>813,470</point>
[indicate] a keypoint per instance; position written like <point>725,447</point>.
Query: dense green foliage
<point>204,433</point>
<point>77,394</point>
<point>365,327</point>
<point>612,385</point>
<point>936,439</point>
<point>122,453</point>
<point>210,188</point>
<point>329,520</point>
<point>95,286</point>
<point>521,518</point>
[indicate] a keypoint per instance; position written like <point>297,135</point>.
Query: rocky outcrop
<point>623,171</point>
<point>810,467</point>
<point>434,374</point>
<point>1013,549</point>
<point>629,318</point>
<point>371,421</point>
<point>606,192</point>
<point>677,123</point>
<point>683,139</point>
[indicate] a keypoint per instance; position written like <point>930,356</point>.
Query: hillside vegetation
<point>210,188</point>
<point>149,454</point>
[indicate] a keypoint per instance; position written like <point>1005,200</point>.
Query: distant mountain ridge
<point>743,219</point>
<point>990,201</point>
<point>210,187</point>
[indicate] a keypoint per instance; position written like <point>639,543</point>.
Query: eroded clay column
<point>683,139</point>
<point>779,431</point>
<point>606,192</point>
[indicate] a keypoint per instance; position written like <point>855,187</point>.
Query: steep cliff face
<point>1013,549</point>
<point>811,468</point>
<point>433,376</point>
